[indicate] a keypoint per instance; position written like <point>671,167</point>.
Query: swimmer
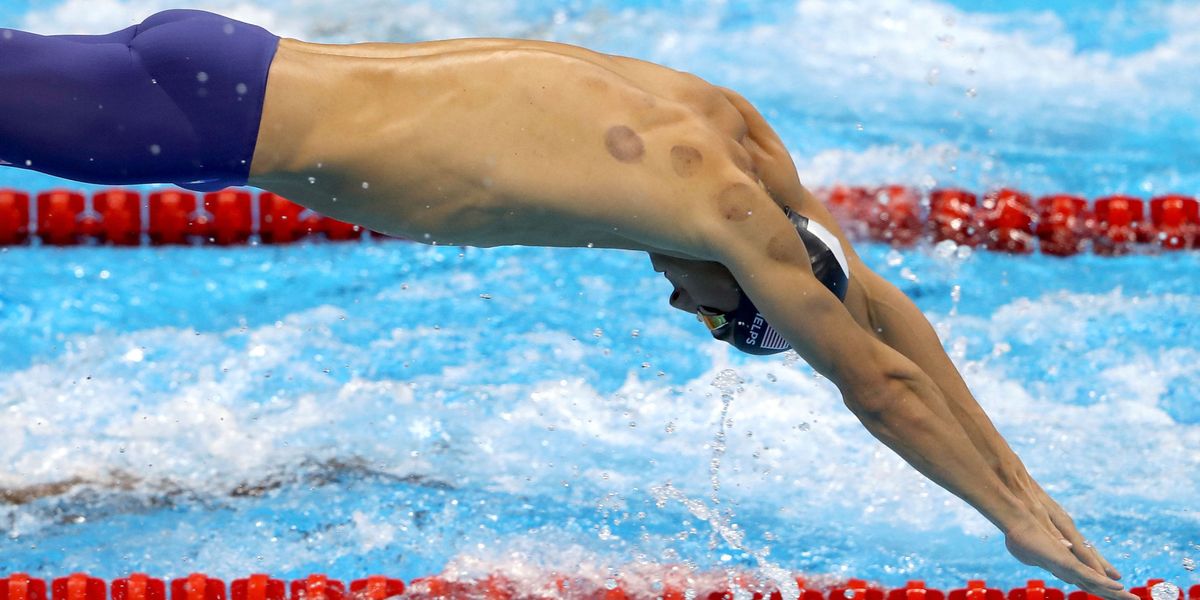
<point>489,142</point>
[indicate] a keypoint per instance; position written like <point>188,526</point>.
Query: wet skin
<point>489,142</point>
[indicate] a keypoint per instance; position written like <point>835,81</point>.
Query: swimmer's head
<point>709,291</point>
<point>697,283</point>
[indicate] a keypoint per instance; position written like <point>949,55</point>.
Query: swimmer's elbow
<point>884,382</point>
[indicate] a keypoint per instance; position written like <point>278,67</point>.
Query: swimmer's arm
<point>901,325</point>
<point>894,318</point>
<point>895,400</point>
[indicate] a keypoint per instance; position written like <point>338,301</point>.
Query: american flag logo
<point>771,340</point>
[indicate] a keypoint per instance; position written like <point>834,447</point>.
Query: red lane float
<point>279,219</point>
<point>1120,223</point>
<point>20,586</point>
<point>58,214</point>
<point>171,216</point>
<point>1064,224</point>
<point>197,586</point>
<point>228,220</point>
<point>1176,218</point>
<point>78,586</point>
<point>120,220</point>
<point>952,216</point>
<point>915,590</point>
<point>376,587</point>
<point>14,217</point>
<point>257,587</point>
<point>138,586</point>
<point>1035,589</point>
<point>1007,217</point>
<point>976,589</point>
<point>896,216</point>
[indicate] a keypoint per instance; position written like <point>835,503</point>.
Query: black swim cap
<point>745,328</point>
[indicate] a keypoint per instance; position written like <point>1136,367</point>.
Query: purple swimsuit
<point>175,99</point>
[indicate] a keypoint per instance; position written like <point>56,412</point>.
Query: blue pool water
<point>388,407</point>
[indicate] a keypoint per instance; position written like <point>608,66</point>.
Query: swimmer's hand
<point>1037,542</point>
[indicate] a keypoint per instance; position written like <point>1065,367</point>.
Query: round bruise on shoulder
<point>624,144</point>
<point>736,201</point>
<point>786,247</point>
<point>686,160</point>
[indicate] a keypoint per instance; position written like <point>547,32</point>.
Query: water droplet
<point>241,89</point>
<point>155,149</point>
<point>1165,591</point>
<point>8,34</point>
<point>591,245</point>
<point>29,163</point>
<point>201,76</point>
<point>597,332</point>
<point>1189,564</point>
<point>670,428</point>
<point>486,296</point>
<point>858,126</point>
<point>932,77</point>
<point>366,185</point>
<point>228,29</point>
<point>610,584</point>
<point>971,93</point>
<point>635,333</point>
<point>312,179</point>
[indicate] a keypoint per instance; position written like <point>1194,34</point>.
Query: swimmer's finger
<point>1108,568</point>
<point>1082,549</point>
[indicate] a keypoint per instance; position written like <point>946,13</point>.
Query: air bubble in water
<point>1165,591</point>
<point>1189,564</point>
<point>201,76</point>
<point>312,179</point>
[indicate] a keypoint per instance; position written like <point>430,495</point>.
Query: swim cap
<point>745,328</point>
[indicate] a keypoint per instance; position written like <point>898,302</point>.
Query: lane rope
<point>1003,220</point>
<point>675,584</point>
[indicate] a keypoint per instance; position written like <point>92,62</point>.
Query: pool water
<point>396,408</point>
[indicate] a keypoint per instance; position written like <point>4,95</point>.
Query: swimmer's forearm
<point>916,424</point>
<point>902,326</point>
<point>897,402</point>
